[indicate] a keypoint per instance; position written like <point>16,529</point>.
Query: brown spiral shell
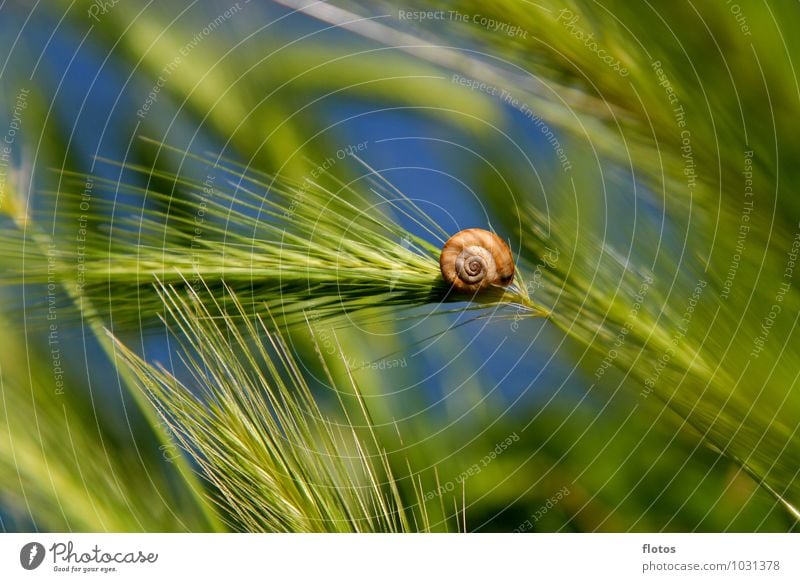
<point>474,259</point>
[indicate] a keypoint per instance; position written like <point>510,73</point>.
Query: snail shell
<point>474,259</point>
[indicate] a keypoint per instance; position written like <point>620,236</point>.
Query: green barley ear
<point>276,460</point>
<point>292,247</point>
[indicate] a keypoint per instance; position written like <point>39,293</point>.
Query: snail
<point>474,259</point>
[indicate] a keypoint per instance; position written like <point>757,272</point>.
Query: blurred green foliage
<point>707,440</point>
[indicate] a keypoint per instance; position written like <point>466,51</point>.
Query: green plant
<point>648,202</point>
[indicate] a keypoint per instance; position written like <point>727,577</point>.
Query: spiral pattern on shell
<point>474,259</point>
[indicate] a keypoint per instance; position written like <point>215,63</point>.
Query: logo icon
<point>31,555</point>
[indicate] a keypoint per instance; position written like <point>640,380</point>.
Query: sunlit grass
<point>225,252</point>
<point>277,462</point>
